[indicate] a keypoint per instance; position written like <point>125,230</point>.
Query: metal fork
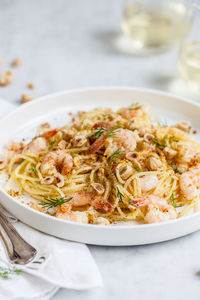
<point>18,250</point>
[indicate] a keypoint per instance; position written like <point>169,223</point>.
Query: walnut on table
<point>6,78</point>
<point>26,98</point>
<point>31,85</point>
<point>16,62</point>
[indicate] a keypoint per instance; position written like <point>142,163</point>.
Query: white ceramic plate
<point>24,121</point>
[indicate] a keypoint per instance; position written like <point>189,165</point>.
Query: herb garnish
<point>176,170</point>
<point>51,145</point>
<point>120,195</point>
<point>135,105</point>
<point>137,168</point>
<point>101,130</point>
<point>98,133</point>
<point>5,273</point>
<point>131,202</point>
<point>34,170</point>
<point>111,131</point>
<point>172,200</point>
<point>51,202</point>
<point>170,139</point>
<point>115,156</point>
<point>160,144</point>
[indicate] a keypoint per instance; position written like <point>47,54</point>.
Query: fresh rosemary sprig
<point>51,202</point>
<point>115,156</point>
<point>120,195</point>
<point>5,273</point>
<point>98,133</point>
<point>160,144</point>
<point>176,170</point>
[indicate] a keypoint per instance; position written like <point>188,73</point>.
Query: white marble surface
<point>71,44</point>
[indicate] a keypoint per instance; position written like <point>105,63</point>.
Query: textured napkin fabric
<point>69,264</point>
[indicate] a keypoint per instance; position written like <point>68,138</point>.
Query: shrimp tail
<point>98,144</point>
<point>102,204</point>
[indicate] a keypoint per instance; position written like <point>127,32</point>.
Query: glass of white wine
<point>189,53</point>
<point>154,25</point>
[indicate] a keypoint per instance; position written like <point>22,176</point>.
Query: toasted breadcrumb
<point>31,85</point>
<point>6,78</point>
<point>26,98</point>
<point>16,62</point>
<point>14,193</point>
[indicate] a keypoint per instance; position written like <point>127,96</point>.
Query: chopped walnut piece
<point>154,163</point>
<point>170,153</point>
<point>184,126</point>
<point>62,145</point>
<point>31,85</point>
<point>45,126</point>
<point>125,171</point>
<point>16,62</point>
<point>26,98</point>
<point>98,188</point>
<point>6,78</point>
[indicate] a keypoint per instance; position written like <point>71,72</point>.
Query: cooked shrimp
<point>190,184</point>
<point>126,139</point>
<point>74,216</point>
<point>57,162</point>
<point>159,209</point>
<point>84,198</point>
<point>99,143</point>
<point>129,113</point>
<point>37,145</point>
<point>148,182</point>
<point>186,154</point>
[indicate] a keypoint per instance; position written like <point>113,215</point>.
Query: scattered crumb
<point>14,193</point>
<point>26,98</point>
<point>16,62</point>
<point>1,61</point>
<point>6,78</point>
<point>31,85</point>
<point>194,132</point>
<point>45,125</point>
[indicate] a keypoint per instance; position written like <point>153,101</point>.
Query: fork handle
<point>18,250</point>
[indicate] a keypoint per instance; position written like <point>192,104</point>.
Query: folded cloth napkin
<point>68,264</point>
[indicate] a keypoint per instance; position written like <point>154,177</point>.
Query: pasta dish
<point>108,167</point>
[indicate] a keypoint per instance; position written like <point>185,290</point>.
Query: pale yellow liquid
<point>154,27</point>
<point>189,63</point>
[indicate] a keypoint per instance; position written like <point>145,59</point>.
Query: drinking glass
<point>189,53</point>
<point>154,25</point>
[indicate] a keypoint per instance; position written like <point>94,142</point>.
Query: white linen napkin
<point>68,265</point>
